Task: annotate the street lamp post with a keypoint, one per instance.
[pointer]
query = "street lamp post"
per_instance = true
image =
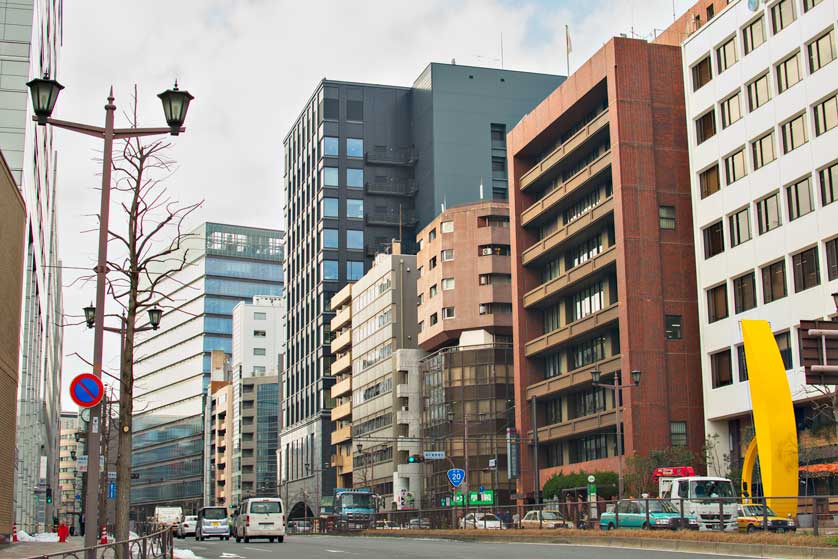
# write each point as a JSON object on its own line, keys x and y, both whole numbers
{"x": 617, "y": 387}
{"x": 44, "y": 93}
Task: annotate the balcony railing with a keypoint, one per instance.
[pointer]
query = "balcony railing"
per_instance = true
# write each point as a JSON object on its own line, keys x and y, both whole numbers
{"x": 572, "y": 379}
{"x": 575, "y": 329}
{"x": 575, "y": 427}
{"x": 391, "y": 156}
{"x": 554, "y": 241}
{"x": 548, "y": 291}
{"x": 403, "y": 187}
{"x": 392, "y": 217}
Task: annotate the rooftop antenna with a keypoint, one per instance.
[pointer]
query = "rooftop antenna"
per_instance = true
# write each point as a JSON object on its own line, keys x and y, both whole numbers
{"x": 673, "y": 10}
{"x": 400, "y": 223}
{"x": 481, "y": 188}
{"x": 453, "y": 61}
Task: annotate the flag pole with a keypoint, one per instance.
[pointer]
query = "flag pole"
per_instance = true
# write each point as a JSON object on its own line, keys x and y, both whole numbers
{"x": 567, "y": 47}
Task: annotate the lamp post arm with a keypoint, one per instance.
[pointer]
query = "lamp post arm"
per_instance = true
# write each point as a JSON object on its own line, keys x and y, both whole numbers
{"x": 122, "y": 133}
{"x": 96, "y": 131}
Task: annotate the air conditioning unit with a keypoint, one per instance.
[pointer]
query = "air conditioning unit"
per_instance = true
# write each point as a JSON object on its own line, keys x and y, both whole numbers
{"x": 404, "y": 408}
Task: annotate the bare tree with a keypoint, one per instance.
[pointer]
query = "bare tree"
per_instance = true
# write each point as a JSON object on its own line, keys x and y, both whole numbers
{"x": 149, "y": 249}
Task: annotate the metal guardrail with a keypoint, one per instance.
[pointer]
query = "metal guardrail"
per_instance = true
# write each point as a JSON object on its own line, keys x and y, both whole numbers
{"x": 158, "y": 545}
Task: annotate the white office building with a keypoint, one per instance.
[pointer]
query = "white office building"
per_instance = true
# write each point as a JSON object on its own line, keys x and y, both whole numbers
{"x": 761, "y": 82}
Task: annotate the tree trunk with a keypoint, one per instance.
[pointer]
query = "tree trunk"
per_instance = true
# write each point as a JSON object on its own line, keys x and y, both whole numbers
{"x": 123, "y": 465}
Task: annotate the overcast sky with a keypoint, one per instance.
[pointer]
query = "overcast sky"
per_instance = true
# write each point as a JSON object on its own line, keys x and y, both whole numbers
{"x": 252, "y": 65}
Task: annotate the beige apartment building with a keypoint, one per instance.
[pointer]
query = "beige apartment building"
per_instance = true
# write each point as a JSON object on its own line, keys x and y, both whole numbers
{"x": 341, "y": 392}
{"x": 69, "y": 479}
{"x": 221, "y": 441}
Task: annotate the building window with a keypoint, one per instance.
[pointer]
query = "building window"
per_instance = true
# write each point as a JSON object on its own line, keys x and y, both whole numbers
{"x": 742, "y": 362}
{"x": 809, "y": 4}
{"x": 762, "y": 150}
{"x": 821, "y": 51}
{"x": 355, "y": 110}
{"x": 794, "y": 133}
{"x": 587, "y": 301}
{"x": 799, "y": 197}
{"x": 744, "y": 293}
{"x": 806, "y": 269}
{"x": 495, "y": 308}
{"x": 331, "y": 207}
{"x": 731, "y": 110}
{"x": 432, "y": 291}
{"x": 493, "y": 250}
{"x": 721, "y": 370}
{"x": 260, "y": 316}
{"x": 753, "y": 35}
{"x": 355, "y": 239}
{"x": 735, "y": 166}
{"x": 768, "y": 213}
{"x": 774, "y": 281}
{"x": 705, "y": 126}
{"x": 826, "y": 115}
{"x": 258, "y": 351}
{"x": 447, "y": 284}
{"x": 330, "y": 270}
{"x": 832, "y": 259}
{"x": 259, "y": 333}
{"x": 552, "y": 318}
{"x": 711, "y": 11}
{"x": 330, "y": 176}
{"x": 740, "y": 227}
{"x": 420, "y": 326}
{"x": 666, "y": 216}
{"x": 726, "y": 55}
{"x": 702, "y": 73}
{"x": 498, "y": 133}
{"x": 714, "y": 240}
{"x": 493, "y": 221}
{"x": 433, "y": 319}
{"x": 330, "y": 238}
{"x": 678, "y": 433}
{"x": 709, "y": 181}
{"x": 446, "y": 227}
{"x": 420, "y": 299}
{"x": 829, "y": 183}
{"x": 330, "y": 146}
{"x": 782, "y": 14}
{"x": 354, "y": 270}
{"x": 783, "y": 340}
{"x": 553, "y": 411}
{"x": 431, "y": 235}
{"x": 354, "y": 147}
{"x": 717, "y": 303}
{"x": 788, "y": 72}
{"x": 495, "y": 279}
{"x": 355, "y": 178}
{"x": 759, "y": 92}
{"x": 447, "y": 255}
{"x": 673, "y": 326}
{"x": 355, "y": 208}
{"x": 448, "y": 312}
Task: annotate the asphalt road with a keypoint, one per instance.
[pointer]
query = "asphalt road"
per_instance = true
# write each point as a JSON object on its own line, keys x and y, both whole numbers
{"x": 353, "y": 547}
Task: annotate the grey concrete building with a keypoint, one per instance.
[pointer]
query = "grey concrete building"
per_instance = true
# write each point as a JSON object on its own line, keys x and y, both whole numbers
{"x": 366, "y": 164}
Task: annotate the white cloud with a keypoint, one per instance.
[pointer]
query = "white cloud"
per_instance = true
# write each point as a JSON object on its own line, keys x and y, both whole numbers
{"x": 252, "y": 65}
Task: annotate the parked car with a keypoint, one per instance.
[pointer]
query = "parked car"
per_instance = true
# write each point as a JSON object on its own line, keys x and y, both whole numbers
{"x": 212, "y": 523}
{"x": 663, "y": 515}
{"x": 536, "y": 519}
{"x": 260, "y": 517}
{"x": 480, "y": 521}
{"x": 299, "y": 526}
{"x": 419, "y": 524}
{"x": 386, "y": 525}
{"x": 750, "y": 519}
{"x": 187, "y": 526}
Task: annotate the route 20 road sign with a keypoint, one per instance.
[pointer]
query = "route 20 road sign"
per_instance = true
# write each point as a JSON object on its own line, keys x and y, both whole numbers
{"x": 456, "y": 476}
{"x": 86, "y": 390}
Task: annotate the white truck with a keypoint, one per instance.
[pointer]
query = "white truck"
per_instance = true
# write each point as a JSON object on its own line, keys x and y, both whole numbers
{"x": 168, "y": 516}
{"x": 705, "y": 498}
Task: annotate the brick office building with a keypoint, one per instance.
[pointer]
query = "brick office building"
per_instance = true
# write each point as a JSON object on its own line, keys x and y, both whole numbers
{"x": 603, "y": 271}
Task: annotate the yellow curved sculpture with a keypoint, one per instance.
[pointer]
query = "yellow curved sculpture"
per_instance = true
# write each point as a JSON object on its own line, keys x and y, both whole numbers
{"x": 774, "y": 426}
{"x": 748, "y": 464}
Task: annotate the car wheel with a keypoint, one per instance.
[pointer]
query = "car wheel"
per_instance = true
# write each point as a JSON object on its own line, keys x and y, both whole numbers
{"x": 238, "y": 539}
{"x": 610, "y": 526}
{"x": 280, "y": 539}
{"x": 751, "y": 529}
{"x": 246, "y": 539}
{"x": 645, "y": 526}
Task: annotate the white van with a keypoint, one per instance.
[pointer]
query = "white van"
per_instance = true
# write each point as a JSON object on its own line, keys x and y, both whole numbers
{"x": 260, "y": 517}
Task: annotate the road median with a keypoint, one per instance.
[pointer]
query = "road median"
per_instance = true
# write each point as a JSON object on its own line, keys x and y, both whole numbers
{"x": 760, "y": 545}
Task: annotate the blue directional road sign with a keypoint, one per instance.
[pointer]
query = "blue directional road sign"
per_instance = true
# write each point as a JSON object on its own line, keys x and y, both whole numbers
{"x": 112, "y": 490}
{"x": 456, "y": 476}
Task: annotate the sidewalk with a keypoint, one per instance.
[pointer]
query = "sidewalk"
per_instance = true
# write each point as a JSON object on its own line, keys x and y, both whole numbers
{"x": 21, "y": 550}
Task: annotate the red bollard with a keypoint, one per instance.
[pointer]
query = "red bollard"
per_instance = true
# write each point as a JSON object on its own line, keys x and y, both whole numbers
{"x": 14, "y": 533}
{"x": 104, "y": 538}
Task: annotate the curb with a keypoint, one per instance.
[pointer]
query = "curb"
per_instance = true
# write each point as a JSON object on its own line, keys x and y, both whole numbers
{"x": 683, "y": 546}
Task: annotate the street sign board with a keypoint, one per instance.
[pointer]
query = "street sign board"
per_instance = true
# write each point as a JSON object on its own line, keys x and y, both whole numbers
{"x": 86, "y": 390}
{"x": 78, "y": 497}
{"x": 482, "y": 497}
{"x": 456, "y": 476}
{"x": 112, "y": 490}
{"x": 434, "y": 455}
{"x": 81, "y": 463}
{"x": 111, "y": 475}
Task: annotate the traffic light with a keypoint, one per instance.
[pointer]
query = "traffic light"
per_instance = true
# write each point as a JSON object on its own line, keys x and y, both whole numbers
{"x": 49, "y": 495}
{"x": 415, "y": 458}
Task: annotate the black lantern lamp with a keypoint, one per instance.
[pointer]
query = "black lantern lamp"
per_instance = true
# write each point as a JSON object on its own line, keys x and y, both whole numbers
{"x": 154, "y": 316}
{"x": 90, "y": 315}
{"x": 175, "y": 105}
{"x": 835, "y": 300}
{"x": 596, "y": 376}
{"x": 635, "y": 377}
{"x": 44, "y": 93}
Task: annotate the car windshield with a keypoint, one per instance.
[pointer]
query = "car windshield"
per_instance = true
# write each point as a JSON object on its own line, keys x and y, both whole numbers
{"x": 215, "y": 514}
{"x": 661, "y": 506}
{"x": 709, "y": 488}
{"x": 550, "y": 515}
{"x": 486, "y": 517}
{"x": 265, "y": 507}
{"x": 757, "y": 510}
{"x": 359, "y": 500}
{"x": 190, "y": 519}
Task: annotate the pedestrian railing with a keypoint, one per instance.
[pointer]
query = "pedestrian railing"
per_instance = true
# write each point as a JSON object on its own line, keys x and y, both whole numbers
{"x": 158, "y": 545}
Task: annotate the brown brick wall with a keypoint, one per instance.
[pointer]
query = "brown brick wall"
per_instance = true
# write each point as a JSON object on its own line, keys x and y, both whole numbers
{"x": 12, "y": 244}
{"x": 689, "y": 22}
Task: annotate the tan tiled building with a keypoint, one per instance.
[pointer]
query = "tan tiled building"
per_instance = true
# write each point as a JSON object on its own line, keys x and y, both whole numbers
{"x": 221, "y": 441}
{"x": 12, "y": 227}
{"x": 341, "y": 327}
{"x": 604, "y": 274}
{"x": 69, "y": 480}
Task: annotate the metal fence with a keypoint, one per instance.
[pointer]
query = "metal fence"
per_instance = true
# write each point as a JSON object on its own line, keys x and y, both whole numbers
{"x": 712, "y": 513}
{"x": 157, "y": 545}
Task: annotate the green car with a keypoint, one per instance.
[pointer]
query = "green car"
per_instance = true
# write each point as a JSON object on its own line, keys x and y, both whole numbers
{"x": 663, "y": 515}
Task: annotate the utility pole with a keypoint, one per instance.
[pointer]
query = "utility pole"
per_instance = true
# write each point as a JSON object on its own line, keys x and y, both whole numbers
{"x": 468, "y": 473}
{"x": 537, "y": 474}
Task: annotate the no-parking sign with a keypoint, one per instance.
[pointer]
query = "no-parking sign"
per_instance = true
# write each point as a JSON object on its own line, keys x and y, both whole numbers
{"x": 86, "y": 390}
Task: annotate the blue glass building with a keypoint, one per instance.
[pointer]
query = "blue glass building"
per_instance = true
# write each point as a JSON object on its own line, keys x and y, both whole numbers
{"x": 225, "y": 264}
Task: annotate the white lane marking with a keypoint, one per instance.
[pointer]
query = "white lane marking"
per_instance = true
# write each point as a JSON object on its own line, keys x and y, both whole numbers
{"x": 335, "y": 551}
{"x": 255, "y": 548}
{"x": 231, "y": 556}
